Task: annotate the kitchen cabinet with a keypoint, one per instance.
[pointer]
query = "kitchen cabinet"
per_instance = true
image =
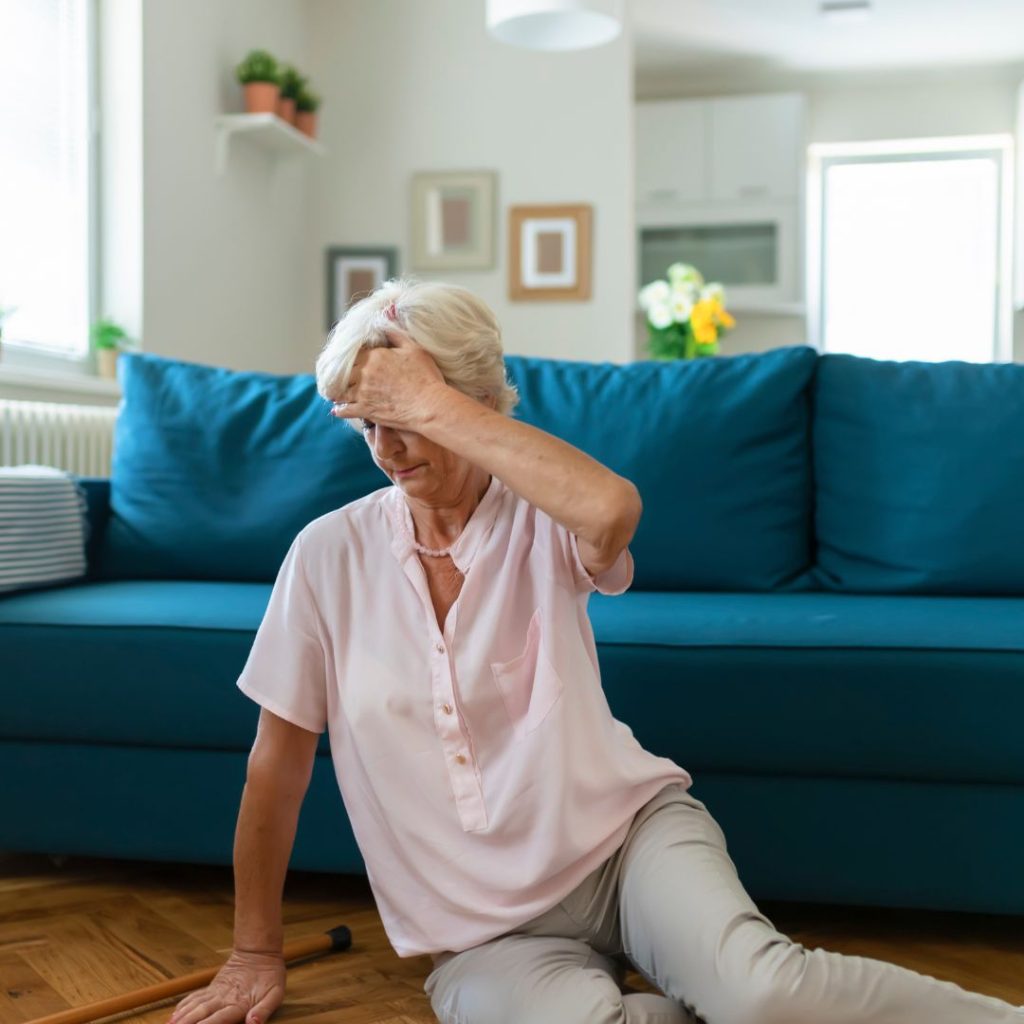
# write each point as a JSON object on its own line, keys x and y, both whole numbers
{"x": 672, "y": 136}
{"x": 756, "y": 147}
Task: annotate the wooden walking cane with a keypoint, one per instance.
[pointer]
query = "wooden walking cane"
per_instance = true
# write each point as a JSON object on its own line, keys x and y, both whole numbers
{"x": 339, "y": 938}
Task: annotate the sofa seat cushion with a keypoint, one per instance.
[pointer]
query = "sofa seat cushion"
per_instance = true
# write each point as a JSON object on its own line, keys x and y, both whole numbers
{"x": 154, "y": 663}
{"x": 915, "y": 688}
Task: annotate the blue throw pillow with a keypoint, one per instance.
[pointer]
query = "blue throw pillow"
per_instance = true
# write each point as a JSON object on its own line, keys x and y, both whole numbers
{"x": 920, "y": 476}
{"x": 215, "y": 471}
{"x": 719, "y": 448}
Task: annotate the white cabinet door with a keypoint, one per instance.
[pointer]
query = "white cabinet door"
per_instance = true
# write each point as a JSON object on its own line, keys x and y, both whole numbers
{"x": 671, "y": 151}
{"x": 757, "y": 145}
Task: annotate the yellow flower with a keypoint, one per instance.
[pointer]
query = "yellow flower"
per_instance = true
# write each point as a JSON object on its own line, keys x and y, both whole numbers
{"x": 702, "y": 321}
{"x": 716, "y": 312}
{"x": 703, "y": 312}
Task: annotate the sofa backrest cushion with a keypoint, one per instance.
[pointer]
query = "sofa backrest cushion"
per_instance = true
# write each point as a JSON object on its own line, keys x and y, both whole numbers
{"x": 718, "y": 447}
{"x": 919, "y": 471}
{"x": 215, "y": 471}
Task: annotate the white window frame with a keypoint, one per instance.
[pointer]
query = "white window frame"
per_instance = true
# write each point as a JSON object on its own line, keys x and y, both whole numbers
{"x": 822, "y": 156}
{"x": 21, "y": 355}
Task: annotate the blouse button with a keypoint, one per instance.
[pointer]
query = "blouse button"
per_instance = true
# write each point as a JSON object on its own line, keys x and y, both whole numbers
{"x": 439, "y": 648}
{"x": 447, "y": 708}
{"x": 460, "y": 759}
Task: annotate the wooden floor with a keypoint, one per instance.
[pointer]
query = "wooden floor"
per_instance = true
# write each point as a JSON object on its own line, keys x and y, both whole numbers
{"x": 83, "y": 929}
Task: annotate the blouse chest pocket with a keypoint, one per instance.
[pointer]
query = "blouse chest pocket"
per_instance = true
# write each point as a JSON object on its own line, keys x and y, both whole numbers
{"x": 528, "y": 684}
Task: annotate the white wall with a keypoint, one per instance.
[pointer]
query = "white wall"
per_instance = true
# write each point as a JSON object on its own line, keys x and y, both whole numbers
{"x": 223, "y": 256}
{"x": 415, "y": 86}
{"x": 198, "y": 267}
{"x": 229, "y": 271}
{"x": 853, "y": 108}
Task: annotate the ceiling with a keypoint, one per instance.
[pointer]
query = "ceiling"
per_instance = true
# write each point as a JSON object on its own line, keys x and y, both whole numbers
{"x": 712, "y": 36}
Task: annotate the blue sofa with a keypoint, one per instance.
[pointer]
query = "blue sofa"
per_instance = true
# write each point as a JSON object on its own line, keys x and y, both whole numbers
{"x": 826, "y": 626}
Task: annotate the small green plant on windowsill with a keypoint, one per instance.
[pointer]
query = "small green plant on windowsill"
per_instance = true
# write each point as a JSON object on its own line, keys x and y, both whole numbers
{"x": 106, "y": 333}
{"x": 108, "y": 339}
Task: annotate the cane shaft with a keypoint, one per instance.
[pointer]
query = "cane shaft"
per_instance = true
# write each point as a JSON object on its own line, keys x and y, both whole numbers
{"x": 336, "y": 938}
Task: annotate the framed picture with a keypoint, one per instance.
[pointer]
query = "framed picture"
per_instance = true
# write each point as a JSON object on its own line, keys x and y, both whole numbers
{"x": 453, "y": 220}
{"x": 353, "y": 273}
{"x": 549, "y": 252}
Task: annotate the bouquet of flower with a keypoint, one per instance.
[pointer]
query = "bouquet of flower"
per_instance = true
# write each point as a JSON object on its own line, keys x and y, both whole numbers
{"x": 685, "y": 316}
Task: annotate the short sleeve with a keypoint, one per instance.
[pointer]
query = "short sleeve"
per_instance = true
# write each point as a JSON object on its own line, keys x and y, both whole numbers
{"x": 563, "y": 554}
{"x": 615, "y": 580}
{"x": 286, "y": 668}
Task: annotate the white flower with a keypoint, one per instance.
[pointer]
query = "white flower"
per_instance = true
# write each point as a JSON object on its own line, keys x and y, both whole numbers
{"x": 682, "y": 307}
{"x": 660, "y": 315}
{"x": 686, "y": 290}
{"x": 685, "y": 273}
{"x": 713, "y": 290}
{"x": 655, "y": 292}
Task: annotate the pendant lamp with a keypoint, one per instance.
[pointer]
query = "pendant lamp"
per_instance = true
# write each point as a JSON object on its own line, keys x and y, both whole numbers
{"x": 554, "y": 24}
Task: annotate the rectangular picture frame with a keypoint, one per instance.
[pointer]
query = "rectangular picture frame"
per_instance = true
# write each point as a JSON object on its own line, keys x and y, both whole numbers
{"x": 354, "y": 271}
{"x": 550, "y": 252}
{"x": 453, "y": 220}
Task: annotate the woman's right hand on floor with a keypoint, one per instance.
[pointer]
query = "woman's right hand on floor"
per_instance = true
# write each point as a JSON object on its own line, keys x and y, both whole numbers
{"x": 248, "y": 988}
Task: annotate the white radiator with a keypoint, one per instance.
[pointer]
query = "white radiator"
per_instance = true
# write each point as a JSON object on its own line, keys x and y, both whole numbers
{"x": 76, "y": 438}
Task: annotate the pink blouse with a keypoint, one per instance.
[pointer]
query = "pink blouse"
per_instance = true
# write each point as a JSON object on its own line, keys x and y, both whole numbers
{"x": 480, "y": 766}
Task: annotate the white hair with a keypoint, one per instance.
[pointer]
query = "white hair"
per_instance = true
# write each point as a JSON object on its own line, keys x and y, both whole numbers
{"x": 458, "y": 330}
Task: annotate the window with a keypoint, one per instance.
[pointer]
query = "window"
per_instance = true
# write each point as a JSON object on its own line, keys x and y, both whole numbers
{"x": 909, "y": 253}
{"x": 47, "y": 206}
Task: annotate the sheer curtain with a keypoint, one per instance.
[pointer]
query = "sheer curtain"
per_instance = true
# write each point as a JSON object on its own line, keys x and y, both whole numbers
{"x": 45, "y": 173}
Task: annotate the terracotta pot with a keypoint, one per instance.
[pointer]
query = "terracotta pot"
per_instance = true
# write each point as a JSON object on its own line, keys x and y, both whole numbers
{"x": 106, "y": 360}
{"x": 261, "y": 97}
{"x": 286, "y": 109}
{"x": 305, "y": 121}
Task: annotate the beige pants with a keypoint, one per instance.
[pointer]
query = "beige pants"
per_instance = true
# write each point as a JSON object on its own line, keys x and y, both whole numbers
{"x": 670, "y": 903}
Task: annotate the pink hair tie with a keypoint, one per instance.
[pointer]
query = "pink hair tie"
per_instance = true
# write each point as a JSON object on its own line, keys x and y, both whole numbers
{"x": 391, "y": 313}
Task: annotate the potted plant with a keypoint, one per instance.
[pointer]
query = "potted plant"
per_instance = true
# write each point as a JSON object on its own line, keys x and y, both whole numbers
{"x": 306, "y": 104}
{"x": 108, "y": 339}
{"x": 685, "y": 316}
{"x": 292, "y": 83}
{"x": 258, "y": 74}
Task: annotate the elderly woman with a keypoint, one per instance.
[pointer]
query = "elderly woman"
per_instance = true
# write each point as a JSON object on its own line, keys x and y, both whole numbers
{"x": 511, "y": 828}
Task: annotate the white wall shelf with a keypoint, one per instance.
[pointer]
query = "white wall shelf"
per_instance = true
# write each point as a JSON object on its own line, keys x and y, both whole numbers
{"x": 267, "y": 130}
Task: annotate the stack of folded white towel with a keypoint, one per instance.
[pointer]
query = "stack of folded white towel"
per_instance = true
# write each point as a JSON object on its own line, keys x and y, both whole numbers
{"x": 43, "y": 527}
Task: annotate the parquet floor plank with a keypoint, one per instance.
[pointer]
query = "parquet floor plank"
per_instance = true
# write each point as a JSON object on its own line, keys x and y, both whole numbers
{"x": 76, "y": 930}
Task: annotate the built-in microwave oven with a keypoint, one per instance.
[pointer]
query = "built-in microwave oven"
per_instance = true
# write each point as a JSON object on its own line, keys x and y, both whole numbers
{"x": 752, "y": 248}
